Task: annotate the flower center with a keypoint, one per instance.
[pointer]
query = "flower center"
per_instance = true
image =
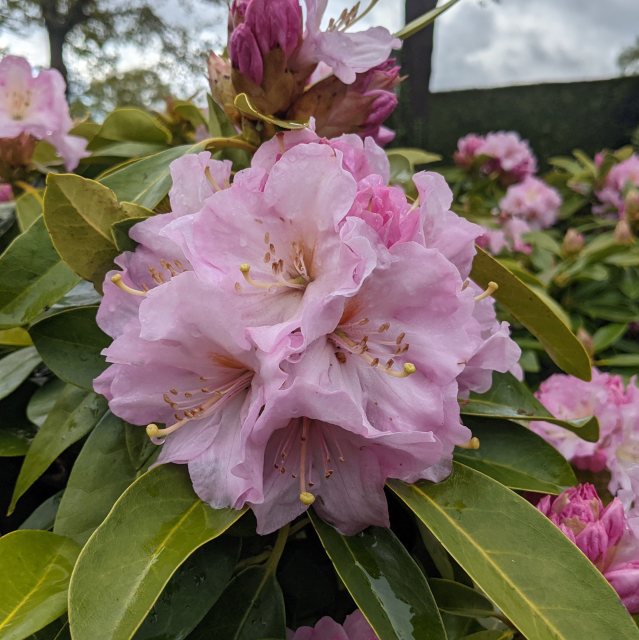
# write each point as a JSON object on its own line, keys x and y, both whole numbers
{"x": 292, "y": 271}
{"x": 303, "y": 471}
{"x": 198, "y": 403}
{"x": 378, "y": 347}
{"x": 19, "y": 103}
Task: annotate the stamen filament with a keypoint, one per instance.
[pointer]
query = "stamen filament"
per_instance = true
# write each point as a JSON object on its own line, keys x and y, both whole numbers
{"x": 306, "y": 497}
{"x": 117, "y": 281}
{"x": 490, "y": 289}
{"x": 211, "y": 179}
{"x": 297, "y": 283}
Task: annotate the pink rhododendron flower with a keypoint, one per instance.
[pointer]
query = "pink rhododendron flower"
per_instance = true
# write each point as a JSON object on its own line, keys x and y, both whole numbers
{"x": 602, "y": 534}
{"x": 36, "y": 107}
{"x": 503, "y": 152}
{"x": 346, "y": 53}
{"x": 533, "y": 201}
{"x": 355, "y": 627}
{"x": 351, "y": 329}
{"x": 569, "y": 398}
{"x": 508, "y": 237}
{"x": 619, "y": 181}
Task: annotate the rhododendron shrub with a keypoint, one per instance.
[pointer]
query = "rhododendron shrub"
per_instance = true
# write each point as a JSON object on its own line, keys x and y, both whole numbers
{"x": 261, "y": 379}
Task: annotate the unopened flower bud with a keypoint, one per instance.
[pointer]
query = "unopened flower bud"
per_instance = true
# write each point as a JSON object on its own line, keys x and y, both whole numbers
{"x": 6, "y": 193}
{"x": 580, "y": 514}
{"x": 245, "y": 54}
{"x": 221, "y": 84}
{"x": 275, "y": 23}
{"x": 623, "y": 233}
{"x": 573, "y": 242}
{"x": 624, "y": 579}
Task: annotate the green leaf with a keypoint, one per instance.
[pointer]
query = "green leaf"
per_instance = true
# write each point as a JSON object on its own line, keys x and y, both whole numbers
{"x": 517, "y": 457}
{"x": 622, "y": 360}
{"x": 42, "y": 401}
{"x": 16, "y": 368}
{"x": 423, "y": 21}
{"x": 460, "y": 600}
{"x": 16, "y": 432}
{"x": 43, "y": 516}
{"x": 70, "y": 343}
{"x": 28, "y": 210}
{"x": 100, "y": 474}
{"x": 79, "y": 213}
{"x": 540, "y": 580}
{"x": 512, "y": 400}
{"x": 414, "y": 156}
{"x": 607, "y": 335}
{"x": 128, "y": 124}
{"x": 74, "y": 414}
{"x": 36, "y": 566}
{"x": 16, "y": 337}
{"x": 384, "y": 581}
{"x": 244, "y": 106}
{"x": 32, "y": 276}
{"x": 535, "y": 314}
{"x": 251, "y": 607}
{"x": 120, "y": 233}
{"x": 491, "y": 634}
{"x": 192, "y": 591}
{"x": 153, "y": 527}
{"x": 146, "y": 181}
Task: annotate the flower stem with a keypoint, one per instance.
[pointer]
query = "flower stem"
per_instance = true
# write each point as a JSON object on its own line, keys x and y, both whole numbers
{"x": 278, "y": 549}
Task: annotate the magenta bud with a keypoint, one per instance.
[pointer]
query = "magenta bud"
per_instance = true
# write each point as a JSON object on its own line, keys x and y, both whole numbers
{"x": 6, "y": 193}
{"x": 383, "y": 105}
{"x": 245, "y": 54}
{"x": 275, "y": 23}
{"x": 624, "y": 579}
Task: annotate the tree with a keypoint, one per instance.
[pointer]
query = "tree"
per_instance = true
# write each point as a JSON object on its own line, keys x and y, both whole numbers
{"x": 628, "y": 59}
{"x": 94, "y": 31}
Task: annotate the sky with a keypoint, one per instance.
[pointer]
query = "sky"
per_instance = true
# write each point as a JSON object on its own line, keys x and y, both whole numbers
{"x": 485, "y": 43}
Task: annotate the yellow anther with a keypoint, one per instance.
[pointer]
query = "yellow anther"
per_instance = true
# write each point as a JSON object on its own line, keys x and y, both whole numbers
{"x": 490, "y": 289}
{"x": 152, "y": 430}
{"x": 307, "y": 498}
{"x": 245, "y": 267}
{"x": 117, "y": 281}
{"x": 473, "y": 443}
{"x": 409, "y": 368}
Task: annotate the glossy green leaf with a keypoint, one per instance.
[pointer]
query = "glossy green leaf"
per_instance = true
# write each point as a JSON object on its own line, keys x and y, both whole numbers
{"x": 57, "y": 630}
{"x": 423, "y": 21}
{"x": 36, "y": 566}
{"x": 43, "y": 400}
{"x": 621, "y": 360}
{"x": 539, "y": 579}
{"x": 28, "y": 210}
{"x": 251, "y": 607}
{"x": 15, "y": 440}
{"x": 70, "y": 343}
{"x": 79, "y": 214}
{"x": 43, "y": 516}
{"x": 244, "y": 105}
{"x": 128, "y": 124}
{"x": 517, "y": 457}
{"x": 460, "y": 600}
{"x": 384, "y": 581}
{"x": 491, "y": 634}
{"x": 74, "y": 414}
{"x": 116, "y": 150}
{"x": 146, "y": 181}
{"x": 192, "y": 591}
{"x": 16, "y": 432}
{"x": 16, "y": 368}
{"x": 32, "y": 276}
{"x": 535, "y": 314}
{"x": 415, "y": 156}
{"x": 120, "y": 233}
{"x": 153, "y": 527}
{"x": 607, "y": 335}
{"x": 512, "y": 400}
{"x": 100, "y": 475}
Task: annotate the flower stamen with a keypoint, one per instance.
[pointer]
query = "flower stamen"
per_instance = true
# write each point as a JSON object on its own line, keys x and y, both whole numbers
{"x": 306, "y": 497}
{"x": 472, "y": 444}
{"x": 117, "y": 281}
{"x": 490, "y": 289}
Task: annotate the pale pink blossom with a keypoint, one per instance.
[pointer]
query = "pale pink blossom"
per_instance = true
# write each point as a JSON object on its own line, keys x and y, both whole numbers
{"x": 355, "y": 627}
{"x": 346, "y": 53}
{"x": 569, "y": 398}
{"x": 467, "y": 150}
{"x": 533, "y": 201}
{"x": 619, "y": 181}
{"x": 36, "y": 106}
{"x": 508, "y": 236}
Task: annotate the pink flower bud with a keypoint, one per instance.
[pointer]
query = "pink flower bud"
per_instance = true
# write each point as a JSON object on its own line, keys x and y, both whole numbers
{"x": 573, "y": 242}
{"x": 580, "y": 514}
{"x": 623, "y": 233}
{"x": 467, "y": 149}
{"x": 245, "y": 53}
{"x": 6, "y": 193}
{"x": 275, "y": 23}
